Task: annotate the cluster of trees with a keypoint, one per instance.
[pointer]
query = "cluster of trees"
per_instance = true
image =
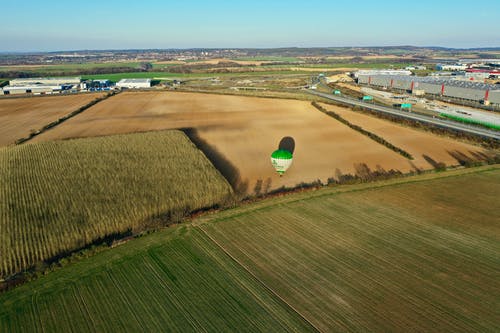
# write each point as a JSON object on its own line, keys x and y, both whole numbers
{"x": 143, "y": 67}
{"x": 363, "y": 174}
{"x": 91, "y": 71}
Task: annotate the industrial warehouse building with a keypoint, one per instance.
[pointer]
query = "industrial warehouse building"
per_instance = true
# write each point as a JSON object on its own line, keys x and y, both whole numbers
{"x": 49, "y": 81}
{"x": 451, "y": 67}
{"x": 134, "y": 83}
{"x": 447, "y": 87}
{"x": 40, "y": 85}
{"x": 34, "y": 89}
{"x": 382, "y": 72}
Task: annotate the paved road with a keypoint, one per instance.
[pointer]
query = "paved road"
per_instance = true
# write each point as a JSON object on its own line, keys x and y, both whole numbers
{"x": 404, "y": 114}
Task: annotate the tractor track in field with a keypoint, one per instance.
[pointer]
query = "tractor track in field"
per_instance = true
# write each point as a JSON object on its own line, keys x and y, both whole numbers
{"x": 265, "y": 286}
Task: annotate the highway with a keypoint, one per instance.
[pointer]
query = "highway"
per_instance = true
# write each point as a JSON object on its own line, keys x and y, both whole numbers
{"x": 418, "y": 117}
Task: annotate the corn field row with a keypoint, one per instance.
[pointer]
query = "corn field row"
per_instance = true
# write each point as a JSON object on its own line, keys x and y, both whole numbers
{"x": 60, "y": 196}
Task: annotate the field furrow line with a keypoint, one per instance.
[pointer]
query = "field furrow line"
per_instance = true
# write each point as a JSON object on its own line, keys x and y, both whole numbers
{"x": 259, "y": 280}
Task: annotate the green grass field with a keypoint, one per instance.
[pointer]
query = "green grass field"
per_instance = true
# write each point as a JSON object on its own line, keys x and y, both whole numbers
{"x": 410, "y": 254}
{"x": 60, "y": 196}
{"x": 115, "y": 77}
{"x": 166, "y": 75}
{"x": 68, "y": 67}
{"x": 421, "y": 256}
{"x": 159, "y": 66}
{"x": 174, "y": 281}
{"x": 270, "y": 69}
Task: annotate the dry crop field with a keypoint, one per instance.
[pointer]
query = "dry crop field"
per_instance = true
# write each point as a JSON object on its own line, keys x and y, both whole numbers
{"x": 19, "y": 116}
{"x": 57, "y": 197}
{"x": 367, "y": 257}
{"x": 421, "y": 145}
{"x": 245, "y": 130}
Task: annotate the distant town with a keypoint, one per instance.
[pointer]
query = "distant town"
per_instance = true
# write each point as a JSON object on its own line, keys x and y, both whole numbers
{"x": 420, "y": 71}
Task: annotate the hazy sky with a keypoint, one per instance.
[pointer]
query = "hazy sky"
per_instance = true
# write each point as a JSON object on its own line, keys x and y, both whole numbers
{"x": 31, "y": 25}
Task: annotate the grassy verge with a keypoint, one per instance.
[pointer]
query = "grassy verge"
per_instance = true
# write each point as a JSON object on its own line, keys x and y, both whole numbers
{"x": 328, "y": 191}
{"x": 471, "y": 121}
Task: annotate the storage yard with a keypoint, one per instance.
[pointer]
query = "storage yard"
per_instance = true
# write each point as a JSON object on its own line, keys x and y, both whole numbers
{"x": 246, "y": 130}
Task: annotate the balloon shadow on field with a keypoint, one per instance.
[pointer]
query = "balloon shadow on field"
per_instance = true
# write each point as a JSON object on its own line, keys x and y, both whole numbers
{"x": 287, "y": 143}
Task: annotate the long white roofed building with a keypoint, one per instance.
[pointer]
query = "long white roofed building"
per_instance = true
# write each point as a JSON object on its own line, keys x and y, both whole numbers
{"x": 134, "y": 83}
{"x": 40, "y": 85}
{"x": 49, "y": 81}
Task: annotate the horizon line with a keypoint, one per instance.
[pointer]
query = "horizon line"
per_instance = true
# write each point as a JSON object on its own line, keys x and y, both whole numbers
{"x": 254, "y": 48}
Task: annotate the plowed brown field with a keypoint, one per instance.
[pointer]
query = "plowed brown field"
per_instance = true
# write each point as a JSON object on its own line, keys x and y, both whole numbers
{"x": 245, "y": 130}
{"x": 424, "y": 147}
{"x": 19, "y": 116}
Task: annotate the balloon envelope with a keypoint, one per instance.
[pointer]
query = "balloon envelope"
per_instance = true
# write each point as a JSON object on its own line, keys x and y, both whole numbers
{"x": 281, "y": 160}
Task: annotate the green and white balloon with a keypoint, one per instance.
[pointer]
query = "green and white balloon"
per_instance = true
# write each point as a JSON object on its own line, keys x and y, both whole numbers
{"x": 281, "y": 160}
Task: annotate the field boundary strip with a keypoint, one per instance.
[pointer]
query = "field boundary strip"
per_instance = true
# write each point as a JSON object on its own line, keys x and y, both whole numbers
{"x": 264, "y": 285}
{"x": 267, "y": 203}
{"x": 64, "y": 118}
{"x": 361, "y": 130}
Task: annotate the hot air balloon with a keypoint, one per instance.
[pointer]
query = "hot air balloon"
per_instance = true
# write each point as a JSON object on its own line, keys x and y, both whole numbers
{"x": 281, "y": 160}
